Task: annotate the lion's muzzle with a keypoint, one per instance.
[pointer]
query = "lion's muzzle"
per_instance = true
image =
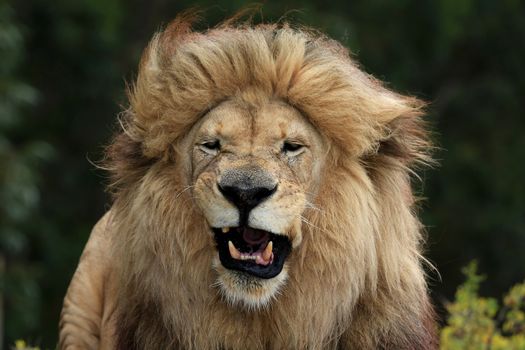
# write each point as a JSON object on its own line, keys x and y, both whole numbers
{"x": 243, "y": 248}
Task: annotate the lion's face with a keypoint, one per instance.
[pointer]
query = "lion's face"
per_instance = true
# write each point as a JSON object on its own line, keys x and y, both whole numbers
{"x": 254, "y": 170}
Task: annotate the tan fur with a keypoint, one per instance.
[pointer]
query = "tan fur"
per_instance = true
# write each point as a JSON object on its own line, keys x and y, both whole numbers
{"x": 354, "y": 279}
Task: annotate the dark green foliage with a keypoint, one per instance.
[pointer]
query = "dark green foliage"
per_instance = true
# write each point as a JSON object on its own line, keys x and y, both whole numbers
{"x": 63, "y": 66}
{"x": 20, "y": 160}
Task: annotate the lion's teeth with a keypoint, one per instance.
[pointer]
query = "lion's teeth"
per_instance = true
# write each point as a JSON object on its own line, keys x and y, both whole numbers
{"x": 233, "y": 251}
{"x": 267, "y": 253}
{"x": 225, "y": 229}
{"x": 261, "y": 258}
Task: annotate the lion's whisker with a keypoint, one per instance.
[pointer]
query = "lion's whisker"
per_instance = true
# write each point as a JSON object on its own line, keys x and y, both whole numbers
{"x": 183, "y": 190}
{"x": 306, "y": 221}
{"x": 310, "y": 205}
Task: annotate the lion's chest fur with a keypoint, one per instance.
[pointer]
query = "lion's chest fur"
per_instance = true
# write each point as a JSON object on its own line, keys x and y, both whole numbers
{"x": 217, "y": 332}
{"x": 203, "y": 320}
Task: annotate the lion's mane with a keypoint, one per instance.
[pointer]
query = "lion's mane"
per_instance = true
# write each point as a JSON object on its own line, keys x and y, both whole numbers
{"x": 356, "y": 280}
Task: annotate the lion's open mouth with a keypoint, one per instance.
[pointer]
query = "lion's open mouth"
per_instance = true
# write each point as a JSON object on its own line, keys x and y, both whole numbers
{"x": 257, "y": 252}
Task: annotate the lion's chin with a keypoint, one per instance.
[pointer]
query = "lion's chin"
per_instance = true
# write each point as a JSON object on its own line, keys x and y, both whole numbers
{"x": 245, "y": 290}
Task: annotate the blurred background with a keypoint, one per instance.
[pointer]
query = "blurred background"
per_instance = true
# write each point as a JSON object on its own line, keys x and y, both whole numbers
{"x": 63, "y": 67}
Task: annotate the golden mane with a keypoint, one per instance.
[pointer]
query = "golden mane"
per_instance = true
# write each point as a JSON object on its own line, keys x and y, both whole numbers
{"x": 356, "y": 282}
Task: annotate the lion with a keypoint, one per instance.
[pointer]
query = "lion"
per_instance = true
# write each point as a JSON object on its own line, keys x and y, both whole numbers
{"x": 262, "y": 200}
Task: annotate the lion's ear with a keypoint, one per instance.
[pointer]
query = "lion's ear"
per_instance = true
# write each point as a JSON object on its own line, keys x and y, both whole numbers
{"x": 125, "y": 161}
{"x": 405, "y": 142}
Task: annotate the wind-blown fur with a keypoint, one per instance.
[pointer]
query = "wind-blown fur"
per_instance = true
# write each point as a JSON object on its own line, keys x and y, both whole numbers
{"x": 355, "y": 282}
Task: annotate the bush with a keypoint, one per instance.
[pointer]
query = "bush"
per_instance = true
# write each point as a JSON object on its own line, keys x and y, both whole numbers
{"x": 22, "y": 345}
{"x": 479, "y": 323}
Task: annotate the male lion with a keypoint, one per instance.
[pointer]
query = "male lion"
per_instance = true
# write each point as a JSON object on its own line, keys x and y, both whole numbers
{"x": 262, "y": 201}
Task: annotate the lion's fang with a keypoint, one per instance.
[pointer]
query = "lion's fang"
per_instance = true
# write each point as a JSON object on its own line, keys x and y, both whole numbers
{"x": 267, "y": 253}
{"x": 234, "y": 253}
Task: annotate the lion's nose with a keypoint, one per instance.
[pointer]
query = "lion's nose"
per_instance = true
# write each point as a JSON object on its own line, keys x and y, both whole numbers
{"x": 246, "y": 198}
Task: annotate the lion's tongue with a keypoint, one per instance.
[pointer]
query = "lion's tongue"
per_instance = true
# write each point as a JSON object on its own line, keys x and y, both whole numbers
{"x": 254, "y": 237}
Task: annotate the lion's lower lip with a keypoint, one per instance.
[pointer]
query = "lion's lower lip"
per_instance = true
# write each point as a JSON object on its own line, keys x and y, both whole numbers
{"x": 252, "y": 245}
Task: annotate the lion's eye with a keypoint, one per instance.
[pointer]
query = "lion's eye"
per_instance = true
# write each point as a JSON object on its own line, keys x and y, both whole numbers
{"x": 211, "y": 147}
{"x": 292, "y": 148}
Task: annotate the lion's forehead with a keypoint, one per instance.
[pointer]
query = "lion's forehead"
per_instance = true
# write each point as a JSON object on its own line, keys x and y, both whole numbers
{"x": 239, "y": 122}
